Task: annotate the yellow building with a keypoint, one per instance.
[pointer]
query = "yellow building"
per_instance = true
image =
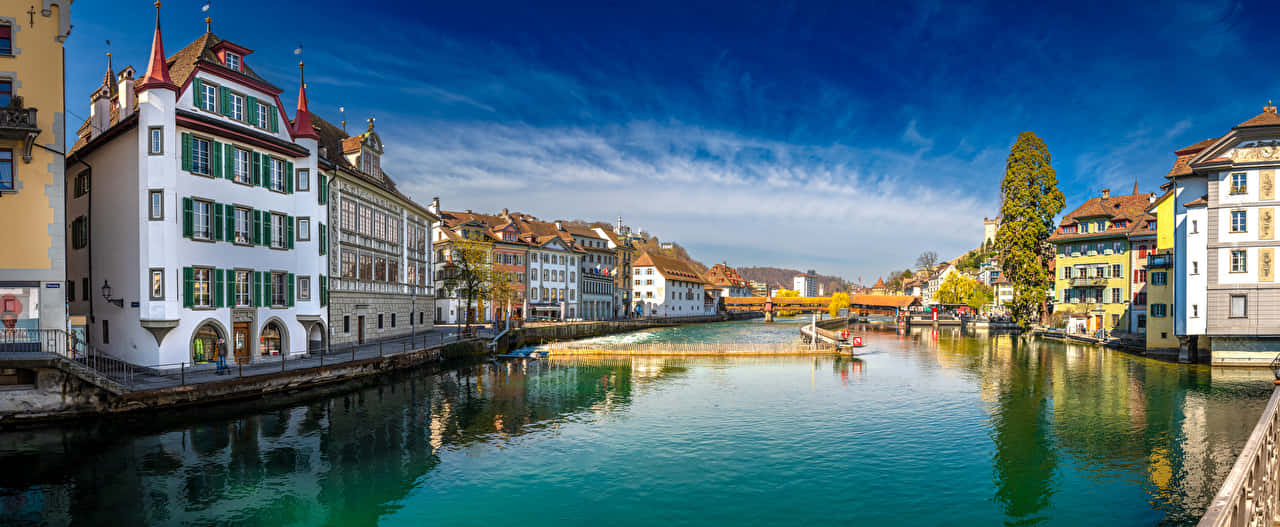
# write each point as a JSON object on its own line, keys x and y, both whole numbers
{"x": 1093, "y": 275}
{"x": 1160, "y": 286}
{"x": 32, "y": 145}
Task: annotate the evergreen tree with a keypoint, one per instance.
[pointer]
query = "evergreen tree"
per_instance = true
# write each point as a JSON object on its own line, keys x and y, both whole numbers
{"x": 1030, "y": 199}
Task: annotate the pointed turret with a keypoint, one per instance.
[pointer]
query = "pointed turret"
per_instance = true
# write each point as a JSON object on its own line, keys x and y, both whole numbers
{"x": 158, "y": 69}
{"x": 302, "y": 122}
{"x": 109, "y": 78}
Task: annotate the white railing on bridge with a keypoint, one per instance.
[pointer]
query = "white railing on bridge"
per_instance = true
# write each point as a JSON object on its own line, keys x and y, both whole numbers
{"x": 1250, "y": 496}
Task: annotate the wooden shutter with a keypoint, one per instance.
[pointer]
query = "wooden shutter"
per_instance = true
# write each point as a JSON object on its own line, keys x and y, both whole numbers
{"x": 288, "y": 281}
{"x": 288, "y": 231}
{"x": 186, "y": 217}
{"x": 257, "y": 227}
{"x": 198, "y": 94}
{"x": 268, "y": 296}
{"x": 186, "y": 151}
{"x": 274, "y": 126}
{"x": 324, "y": 291}
{"x": 215, "y": 159}
{"x": 257, "y": 288}
{"x": 215, "y": 216}
{"x": 230, "y": 233}
{"x": 324, "y": 189}
{"x": 257, "y": 169}
{"x": 252, "y": 110}
{"x": 225, "y": 107}
{"x": 324, "y": 242}
{"x": 219, "y": 288}
{"x": 229, "y": 161}
{"x": 231, "y": 287}
{"x": 188, "y": 288}
{"x": 288, "y": 177}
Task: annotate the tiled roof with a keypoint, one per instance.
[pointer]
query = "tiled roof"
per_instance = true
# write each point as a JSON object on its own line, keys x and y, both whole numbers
{"x": 1268, "y": 117}
{"x": 898, "y": 301}
{"x": 183, "y": 63}
{"x": 1198, "y": 202}
{"x": 722, "y": 274}
{"x": 669, "y": 268}
{"x": 1132, "y": 208}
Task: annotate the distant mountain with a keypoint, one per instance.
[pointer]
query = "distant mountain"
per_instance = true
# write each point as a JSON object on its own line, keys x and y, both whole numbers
{"x": 776, "y": 276}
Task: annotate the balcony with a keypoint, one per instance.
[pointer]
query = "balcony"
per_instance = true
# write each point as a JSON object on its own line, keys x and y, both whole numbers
{"x": 1160, "y": 260}
{"x": 1088, "y": 282}
{"x": 18, "y": 123}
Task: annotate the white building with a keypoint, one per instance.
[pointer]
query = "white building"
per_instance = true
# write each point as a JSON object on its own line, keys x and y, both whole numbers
{"x": 935, "y": 281}
{"x": 202, "y": 231}
{"x": 597, "y": 263}
{"x": 666, "y": 287}
{"x": 806, "y": 284}
{"x": 553, "y": 278}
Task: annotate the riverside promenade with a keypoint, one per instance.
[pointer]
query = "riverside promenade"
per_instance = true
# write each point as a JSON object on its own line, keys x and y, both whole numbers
{"x": 66, "y": 387}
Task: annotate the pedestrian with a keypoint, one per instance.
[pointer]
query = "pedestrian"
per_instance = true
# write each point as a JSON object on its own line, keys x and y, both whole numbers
{"x": 222, "y": 358}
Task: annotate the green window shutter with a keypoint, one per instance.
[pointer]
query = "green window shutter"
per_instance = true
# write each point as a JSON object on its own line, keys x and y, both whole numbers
{"x": 268, "y": 296}
{"x": 252, "y": 111}
{"x": 257, "y": 288}
{"x": 324, "y": 190}
{"x": 215, "y": 159}
{"x": 257, "y": 227}
{"x": 186, "y": 151}
{"x": 324, "y": 291}
{"x": 188, "y": 286}
{"x": 267, "y": 218}
{"x": 288, "y": 230}
{"x": 219, "y": 288}
{"x": 230, "y": 232}
{"x": 324, "y": 243}
{"x": 229, "y": 161}
{"x": 274, "y": 114}
{"x": 257, "y": 169}
{"x": 186, "y": 217}
{"x": 216, "y": 213}
{"x": 231, "y": 288}
{"x": 289, "y": 286}
{"x": 288, "y": 177}
{"x": 198, "y": 94}
{"x": 225, "y": 94}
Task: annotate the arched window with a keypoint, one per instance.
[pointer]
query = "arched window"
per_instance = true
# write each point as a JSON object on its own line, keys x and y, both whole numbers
{"x": 207, "y": 344}
{"x": 272, "y": 341}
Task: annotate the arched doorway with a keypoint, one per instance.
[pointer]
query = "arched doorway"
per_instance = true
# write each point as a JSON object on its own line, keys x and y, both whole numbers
{"x": 315, "y": 338}
{"x": 272, "y": 339}
{"x": 208, "y": 343}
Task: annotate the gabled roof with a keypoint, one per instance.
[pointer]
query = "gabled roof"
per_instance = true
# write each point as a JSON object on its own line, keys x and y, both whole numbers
{"x": 1268, "y": 117}
{"x": 201, "y": 52}
{"x": 723, "y": 275}
{"x": 1131, "y": 208}
{"x": 669, "y": 268}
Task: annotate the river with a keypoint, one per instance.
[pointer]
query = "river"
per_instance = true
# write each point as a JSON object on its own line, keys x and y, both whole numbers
{"x": 929, "y": 428}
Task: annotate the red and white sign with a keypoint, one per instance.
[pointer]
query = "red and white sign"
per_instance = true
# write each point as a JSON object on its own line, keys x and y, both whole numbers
{"x": 935, "y": 313}
{"x": 844, "y": 333}
{"x": 857, "y": 341}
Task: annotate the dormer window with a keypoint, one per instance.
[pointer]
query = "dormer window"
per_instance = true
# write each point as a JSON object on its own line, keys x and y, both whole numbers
{"x": 369, "y": 163}
{"x": 233, "y": 61}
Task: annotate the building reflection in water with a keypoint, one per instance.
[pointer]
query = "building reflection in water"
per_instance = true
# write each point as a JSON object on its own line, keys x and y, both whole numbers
{"x": 336, "y": 461}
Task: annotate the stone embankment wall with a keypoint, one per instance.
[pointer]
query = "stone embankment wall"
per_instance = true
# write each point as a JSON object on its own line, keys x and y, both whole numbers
{"x": 56, "y": 390}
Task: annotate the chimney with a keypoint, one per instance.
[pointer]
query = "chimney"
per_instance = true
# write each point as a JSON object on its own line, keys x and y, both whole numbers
{"x": 468, "y": 211}
{"x": 1106, "y": 193}
{"x": 127, "y": 100}
{"x": 559, "y": 226}
{"x": 99, "y": 112}
{"x": 435, "y": 206}
{"x": 505, "y": 213}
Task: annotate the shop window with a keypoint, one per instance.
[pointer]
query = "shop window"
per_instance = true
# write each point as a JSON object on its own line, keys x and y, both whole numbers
{"x": 272, "y": 340}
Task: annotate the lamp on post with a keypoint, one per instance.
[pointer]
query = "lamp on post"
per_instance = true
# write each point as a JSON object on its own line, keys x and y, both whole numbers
{"x": 106, "y": 295}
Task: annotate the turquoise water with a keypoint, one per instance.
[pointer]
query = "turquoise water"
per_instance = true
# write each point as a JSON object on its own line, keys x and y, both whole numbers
{"x": 928, "y": 429}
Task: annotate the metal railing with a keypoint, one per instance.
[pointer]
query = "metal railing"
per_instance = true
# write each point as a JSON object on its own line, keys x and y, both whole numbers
{"x": 33, "y": 340}
{"x": 1250, "y": 496}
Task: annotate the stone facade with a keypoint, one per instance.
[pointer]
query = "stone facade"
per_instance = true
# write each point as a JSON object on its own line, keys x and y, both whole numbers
{"x": 350, "y": 308}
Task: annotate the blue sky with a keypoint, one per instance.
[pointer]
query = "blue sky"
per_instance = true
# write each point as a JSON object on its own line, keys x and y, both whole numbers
{"x": 836, "y": 136}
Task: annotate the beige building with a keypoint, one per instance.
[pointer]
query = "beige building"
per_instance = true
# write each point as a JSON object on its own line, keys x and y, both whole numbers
{"x": 33, "y": 278}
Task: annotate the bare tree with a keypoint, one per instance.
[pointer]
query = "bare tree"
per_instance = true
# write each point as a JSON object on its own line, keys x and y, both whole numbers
{"x": 927, "y": 260}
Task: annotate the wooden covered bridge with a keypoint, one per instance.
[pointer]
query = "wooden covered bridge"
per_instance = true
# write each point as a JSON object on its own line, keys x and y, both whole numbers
{"x": 889, "y": 305}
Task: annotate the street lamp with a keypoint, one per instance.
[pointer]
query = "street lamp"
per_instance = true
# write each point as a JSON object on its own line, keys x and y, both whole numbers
{"x": 106, "y": 295}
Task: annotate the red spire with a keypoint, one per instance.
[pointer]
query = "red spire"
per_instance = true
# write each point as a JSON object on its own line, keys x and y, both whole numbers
{"x": 302, "y": 123}
{"x": 158, "y": 71}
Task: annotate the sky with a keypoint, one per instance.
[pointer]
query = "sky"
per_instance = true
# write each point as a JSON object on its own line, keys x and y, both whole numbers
{"x": 843, "y": 137}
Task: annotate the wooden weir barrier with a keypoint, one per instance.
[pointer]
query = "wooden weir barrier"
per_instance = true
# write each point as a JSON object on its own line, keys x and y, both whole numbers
{"x": 1250, "y": 496}
{"x": 562, "y": 349}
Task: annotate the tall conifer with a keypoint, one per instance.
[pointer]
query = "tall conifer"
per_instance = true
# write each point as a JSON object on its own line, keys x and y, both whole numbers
{"x": 1030, "y": 200}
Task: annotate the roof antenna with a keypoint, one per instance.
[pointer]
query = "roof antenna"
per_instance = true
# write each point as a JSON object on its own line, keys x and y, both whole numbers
{"x": 208, "y": 22}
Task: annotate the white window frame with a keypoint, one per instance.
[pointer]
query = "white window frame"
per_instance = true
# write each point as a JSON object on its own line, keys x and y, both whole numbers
{"x": 303, "y": 228}
{"x": 263, "y": 110}
{"x": 241, "y": 166}
{"x": 155, "y": 205}
{"x": 197, "y": 217}
{"x": 304, "y": 288}
{"x": 304, "y": 180}
{"x": 243, "y": 224}
{"x": 155, "y": 140}
{"x": 278, "y": 240}
{"x": 1241, "y": 264}
{"x": 234, "y": 61}
{"x": 244, "y": 294}
{"x": 201, "y": 160}
{"x": 1231, "y": 306}
{"x": 1241, "y": 186}
{"x": 236, "y": 111}
{"x": 199, "y": 298}
{"x": 211, "y": 97}
{"x": 276, "y": 174}
{"x": 1239, "y": 221}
